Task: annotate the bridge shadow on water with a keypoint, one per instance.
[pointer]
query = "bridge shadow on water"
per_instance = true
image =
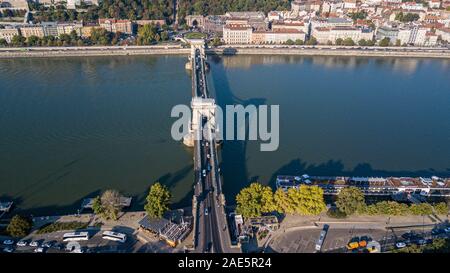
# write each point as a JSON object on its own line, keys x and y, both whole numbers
{"x": 233, "y": 152}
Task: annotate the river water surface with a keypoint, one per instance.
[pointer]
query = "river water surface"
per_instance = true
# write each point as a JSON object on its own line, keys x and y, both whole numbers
{"x": 72, "y": 127}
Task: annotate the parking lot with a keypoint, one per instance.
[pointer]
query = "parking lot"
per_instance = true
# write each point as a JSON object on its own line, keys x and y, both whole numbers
{"x": 336, "y": 240}
{"x": 53, "y": 243}
{"x": 304, "y": 241}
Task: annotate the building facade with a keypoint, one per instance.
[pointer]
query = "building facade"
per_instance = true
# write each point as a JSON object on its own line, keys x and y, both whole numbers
{"x": 8, "y": 34}
{"x": 237, "y": 34}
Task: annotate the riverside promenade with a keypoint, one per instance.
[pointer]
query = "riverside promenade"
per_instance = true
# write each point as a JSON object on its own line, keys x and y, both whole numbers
{"x": 176, "y": 49}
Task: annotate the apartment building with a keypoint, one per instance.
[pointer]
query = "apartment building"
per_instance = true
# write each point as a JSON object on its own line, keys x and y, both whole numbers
{"x": 332, "y": 6}
{"x": 114, "y": 25}
{"x": 28, "y": 31}
{"x": 86, "y": 30}
{"x": 278, "y": 36}
{"x": 324, "y": 35}
{"x": 417, "y": 35}
{"x": 13, "y": 4}
{"x": 290, "y": 24}
{"x": 387, "y": 32}
{"x": 8, "y": 33}
{"x": 67, "y": 28}
{"x": 237, "y": 34}
{"x": 331, "y": 22}
{"x": 444, "y": 33}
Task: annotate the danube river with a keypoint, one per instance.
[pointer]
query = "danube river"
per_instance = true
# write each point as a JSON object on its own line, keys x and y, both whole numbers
{"x": 72, "y": 127}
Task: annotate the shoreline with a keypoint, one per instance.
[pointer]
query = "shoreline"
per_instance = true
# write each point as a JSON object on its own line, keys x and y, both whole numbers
{"x": 51, "y": 52}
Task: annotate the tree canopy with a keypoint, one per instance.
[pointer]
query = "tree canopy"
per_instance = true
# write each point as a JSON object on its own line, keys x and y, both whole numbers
{"x": 108, "y": 205}
{"x": 350, "y": 200}
{"x": 19, "y": 226}
{"x": 158, "y": 200}
{"x": 255, "y": 200}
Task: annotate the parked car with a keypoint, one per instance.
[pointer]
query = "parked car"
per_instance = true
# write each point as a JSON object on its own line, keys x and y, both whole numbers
{"x": 437, "y": 231}
{"x": 8, "y": 249}
{"x": 34, "y": 244}
{"x": 47, "y": 244}
{"x": 22, "y": 243}
{"x": 399, "y": 245}
{"x": 447, "y": 230}
{"x": 39, "y": 250}
{"x": 8, "y": 242}
{"x": 353, "y": 244}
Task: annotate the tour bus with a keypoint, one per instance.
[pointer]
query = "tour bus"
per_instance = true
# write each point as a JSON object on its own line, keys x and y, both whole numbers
{"x": 114, "y": 236}
{"x": 76, "y": 236}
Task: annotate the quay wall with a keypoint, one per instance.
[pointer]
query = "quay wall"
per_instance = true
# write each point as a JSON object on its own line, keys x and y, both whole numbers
{"x": 223, "y": 50}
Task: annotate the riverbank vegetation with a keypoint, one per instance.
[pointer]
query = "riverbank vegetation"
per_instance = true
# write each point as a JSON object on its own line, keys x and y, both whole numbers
{"x": 108, "y": 205}
{"x": 351, "y": 200}
{"x": 59, "y": 226}
{"x": 19, "y": 226}
{"x": 158, "y": 200}
{"x": 257, "y": 199}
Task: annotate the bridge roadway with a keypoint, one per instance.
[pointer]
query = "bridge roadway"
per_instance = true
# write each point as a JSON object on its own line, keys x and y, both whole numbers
{"x": 212, "y": 233}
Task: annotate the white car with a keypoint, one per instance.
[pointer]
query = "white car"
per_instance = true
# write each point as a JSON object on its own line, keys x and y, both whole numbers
{"x": 400, "y": 245}
{"x": 21, "y": 243}
{"x": 39, "y": 250}
{"x": 8, "y": 242}
{"x": 447, "y": 230}
{"x": 8, "y": 249}
{"x": 34, "y": 244}
{"x": 47, "y": 244}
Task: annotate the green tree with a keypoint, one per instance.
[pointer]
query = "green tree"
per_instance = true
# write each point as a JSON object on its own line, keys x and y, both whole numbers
{"x": 312, "y": 41}
{"x": 384, "y": 42}
{"x": 348, "y": 42}
{"x": 289, "y": 42}
{"x": 299, "y": 42}
{"x": 441, "y": 208}
{"x": 255, "y": 200}
{"x": 307, "y": 200}
{"x": 283, "y": 202}
{"x": 362, "y": 42}
{"x": 19, "y": 226}
{"x": 164, "y": 36}
{"x": 147, "y": 34}
{"x": 158, "y": 200}
{"x": 339, "y": 41}
{"x": 18, "y": 40}
{"x": 3, "y": 43}
{"x": 350, "y": 200}
{"x": 421, "y": 209}
{"x": 108, "y": 205}
{"x": 216, "y": 41}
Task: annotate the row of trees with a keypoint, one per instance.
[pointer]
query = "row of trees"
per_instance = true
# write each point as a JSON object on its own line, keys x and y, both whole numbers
{"x": 147, "y": 34}
{"x": 408, "y": 17}
{"x": 351, "y": 200}
{"x": 205, "y": 7}
{"x": 119, "y": 9}
{"x": 98, "y": 37}
{"x": 257, "y": 199}
{"x": 150, "y": 34}
{"x": 12, "y": 13}
{"x": 108, "y": 205}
